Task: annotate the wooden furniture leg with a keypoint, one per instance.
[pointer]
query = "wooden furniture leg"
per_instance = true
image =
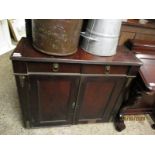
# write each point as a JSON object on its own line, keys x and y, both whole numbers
{"x": 119, "y": 122}
{"x": 153, "y": 119}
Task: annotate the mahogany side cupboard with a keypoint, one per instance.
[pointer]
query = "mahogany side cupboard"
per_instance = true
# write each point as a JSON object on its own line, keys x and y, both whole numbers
{"x": 80, "y": 88}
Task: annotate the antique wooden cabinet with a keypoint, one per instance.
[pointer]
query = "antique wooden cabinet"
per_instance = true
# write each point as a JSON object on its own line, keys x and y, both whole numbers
{"x": 132, "y": 29}
{"x": 141, "y": 98}
{"x": 74, "y": 89}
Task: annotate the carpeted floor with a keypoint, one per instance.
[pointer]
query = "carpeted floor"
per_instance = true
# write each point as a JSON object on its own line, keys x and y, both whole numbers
{"x": 10, "y": 114}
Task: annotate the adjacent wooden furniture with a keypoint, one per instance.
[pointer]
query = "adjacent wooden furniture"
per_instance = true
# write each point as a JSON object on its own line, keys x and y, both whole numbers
{"x": 80, "y": 88}
{"x": 132, "y": 29}
{"x": 141, "y": 96}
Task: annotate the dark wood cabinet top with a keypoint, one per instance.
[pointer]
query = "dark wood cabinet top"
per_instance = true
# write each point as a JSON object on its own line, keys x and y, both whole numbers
{"x": 147, "y": 72}
{"x": 25, "y": 52}
{"x": 145, "y": 51}
{"x": 143, "y": 46}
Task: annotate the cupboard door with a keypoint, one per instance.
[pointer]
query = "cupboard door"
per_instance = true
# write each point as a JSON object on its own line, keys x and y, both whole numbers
{"x": 52, "y": 99}
{"x": 97, "y": 98}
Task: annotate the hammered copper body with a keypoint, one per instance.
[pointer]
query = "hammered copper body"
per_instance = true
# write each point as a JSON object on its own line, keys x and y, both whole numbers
{"x": 56, "y": 36}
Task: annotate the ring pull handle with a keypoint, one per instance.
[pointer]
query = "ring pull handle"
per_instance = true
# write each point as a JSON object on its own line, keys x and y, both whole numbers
{"x": 107, "y": 69}
{"x": 55, "y": 67}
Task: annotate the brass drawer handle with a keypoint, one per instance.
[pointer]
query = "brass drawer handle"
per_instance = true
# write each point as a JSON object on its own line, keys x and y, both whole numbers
{"x": 55, "y": 67}
{"x": 107, "y": 69}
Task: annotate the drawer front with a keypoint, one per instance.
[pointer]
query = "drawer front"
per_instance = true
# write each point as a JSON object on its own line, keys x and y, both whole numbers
{"x": 134, "y": 70}
{"x": 104, "y": 69}
{"x": 19, "y": 67}
{"x": 53, "y": 67}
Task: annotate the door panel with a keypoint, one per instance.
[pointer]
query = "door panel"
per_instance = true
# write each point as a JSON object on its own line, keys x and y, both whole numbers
{"x": 52, "y": 98}
{"x": 97, "y": 97}
{"x": 54, "y": 95}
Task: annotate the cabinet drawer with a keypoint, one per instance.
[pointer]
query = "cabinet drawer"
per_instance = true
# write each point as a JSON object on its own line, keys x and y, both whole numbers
{"x": 53, "y": 67}
{"x": 104, "y": 69}
{"x": 19, "y": 67}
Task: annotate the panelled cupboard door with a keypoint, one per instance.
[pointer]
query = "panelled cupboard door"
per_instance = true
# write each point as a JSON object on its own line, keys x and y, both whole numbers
{"x": 97, "y": 98}
{"x": 52, "y": 99}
